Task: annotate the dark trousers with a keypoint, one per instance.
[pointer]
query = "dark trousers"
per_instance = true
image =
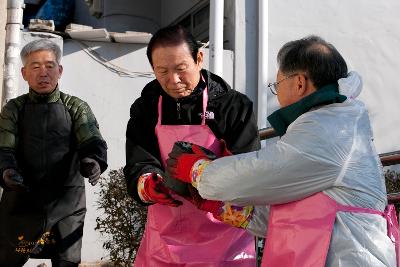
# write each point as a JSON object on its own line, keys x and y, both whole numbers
{"x": 62, "y": 246}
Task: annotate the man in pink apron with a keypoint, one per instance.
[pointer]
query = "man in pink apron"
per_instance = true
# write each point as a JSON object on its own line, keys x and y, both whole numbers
{"x": 184, "y": 103}
{"x": 318, "y": 193}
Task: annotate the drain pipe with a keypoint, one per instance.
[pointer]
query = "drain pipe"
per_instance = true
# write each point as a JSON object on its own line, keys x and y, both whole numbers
{"x": 216, "y": 36}
{"x": 11, "y": 59}
{"x": 13, "y": 40}
{"x": 262, "y": 63}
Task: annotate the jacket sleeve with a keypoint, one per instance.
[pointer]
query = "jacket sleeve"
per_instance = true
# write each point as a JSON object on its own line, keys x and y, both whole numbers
{"x": 240, "y": 129}
{"x": 87, "y": 133}
{"x": 302, "y": 163}
{"x": 142, "y": 152}
{"x": 8, "y": 137}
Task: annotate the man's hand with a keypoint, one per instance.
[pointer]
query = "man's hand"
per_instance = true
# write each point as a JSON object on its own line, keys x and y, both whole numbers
{"x": 224, "y": 149}
{"x": 212, "y": 206}
{"x": 14, "y": 181}
{"x": 223, "y": 211}
{"x": 182, "y": 158}
{"x": 90, "y": 168}
{"x": 151, "y": 189}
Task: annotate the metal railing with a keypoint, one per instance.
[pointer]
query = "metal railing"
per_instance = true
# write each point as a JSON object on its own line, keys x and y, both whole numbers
{"x": 387, "y": 159}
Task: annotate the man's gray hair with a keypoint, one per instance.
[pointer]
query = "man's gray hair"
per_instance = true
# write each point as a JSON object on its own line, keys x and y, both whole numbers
{"x": 39, "y": 45}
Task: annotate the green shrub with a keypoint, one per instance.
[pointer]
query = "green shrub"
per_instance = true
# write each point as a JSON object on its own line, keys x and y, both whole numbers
{"x": 122, "y": 220}
{"x": 392, "y": 180}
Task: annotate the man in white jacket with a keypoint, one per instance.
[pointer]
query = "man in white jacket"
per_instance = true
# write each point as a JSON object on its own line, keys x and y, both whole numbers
{"x": 318, "y": 194}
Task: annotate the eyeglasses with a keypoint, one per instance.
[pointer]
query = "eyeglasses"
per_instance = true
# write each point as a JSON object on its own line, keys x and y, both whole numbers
{"x": 274, "y": 86}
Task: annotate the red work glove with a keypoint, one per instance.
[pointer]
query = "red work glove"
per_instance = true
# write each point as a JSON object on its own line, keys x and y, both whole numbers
{"x": 203, "y": 204}
{"x": 151, "y": 189}
{"x": 224, "y": 149}
{"x": 225, "y": 212}
{"x": 182, "y": 158}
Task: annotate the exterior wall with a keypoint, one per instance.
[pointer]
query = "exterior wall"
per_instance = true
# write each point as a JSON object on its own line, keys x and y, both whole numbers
{"x": 366, "y": 33}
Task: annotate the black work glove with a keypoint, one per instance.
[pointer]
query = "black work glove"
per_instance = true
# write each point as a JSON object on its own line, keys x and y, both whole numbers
{"x": 179, "y": 164}
{"x": 90, "y": 168}
{"x": 14, "y": 181}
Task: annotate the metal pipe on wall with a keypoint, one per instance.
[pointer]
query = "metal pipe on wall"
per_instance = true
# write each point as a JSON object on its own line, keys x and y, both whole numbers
{"x": 11, "y": 59}
{"x": 262, "y": 63}
{"x": 216, "y": 36}
{"x": 12, "y": 49}
{"x": 3, "y": 20}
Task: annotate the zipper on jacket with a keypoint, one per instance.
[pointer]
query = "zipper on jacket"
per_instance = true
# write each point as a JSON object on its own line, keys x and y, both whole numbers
{"x": 178, "y": 110}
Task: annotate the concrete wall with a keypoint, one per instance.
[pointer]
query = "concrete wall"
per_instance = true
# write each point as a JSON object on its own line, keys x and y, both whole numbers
{"x": 366, "y": 32}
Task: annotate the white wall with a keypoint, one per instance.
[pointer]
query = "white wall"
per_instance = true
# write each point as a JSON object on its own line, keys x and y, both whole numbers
{"x": 366, "y": 33}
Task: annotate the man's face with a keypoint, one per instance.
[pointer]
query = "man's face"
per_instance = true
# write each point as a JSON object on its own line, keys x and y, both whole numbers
{"x": 176, "y": 70}
{"x": 42, "y": 71}
{"x": 286, "y": 89}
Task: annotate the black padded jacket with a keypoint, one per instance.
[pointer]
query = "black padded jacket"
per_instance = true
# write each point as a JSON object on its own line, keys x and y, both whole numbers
{"x": 229, "y": 115}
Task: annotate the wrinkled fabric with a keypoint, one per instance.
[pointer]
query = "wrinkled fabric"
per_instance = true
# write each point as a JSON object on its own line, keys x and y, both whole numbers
{"x": 44, "y": 137}
{"x": 229, "y": 115}
{"x": 328, "y": 149}
{"x": 283, "y": 117}
{"x": 300, "y": 236}
{"x": 351, "y": 85}
{"x": 185, "y": 235}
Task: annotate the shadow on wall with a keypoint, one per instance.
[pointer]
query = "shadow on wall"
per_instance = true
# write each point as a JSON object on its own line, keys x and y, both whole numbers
{"x": 108, "y": 51}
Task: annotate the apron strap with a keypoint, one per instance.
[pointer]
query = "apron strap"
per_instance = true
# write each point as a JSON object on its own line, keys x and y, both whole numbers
{"x": 159, "y": 110}
{"x": 341, "y": 207}
{"x": 389, "y": 214}
{"x": 205, "y": 101}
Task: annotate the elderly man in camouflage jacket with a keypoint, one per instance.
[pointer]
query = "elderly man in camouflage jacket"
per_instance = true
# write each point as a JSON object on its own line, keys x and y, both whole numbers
{"x": 48, "y": 141}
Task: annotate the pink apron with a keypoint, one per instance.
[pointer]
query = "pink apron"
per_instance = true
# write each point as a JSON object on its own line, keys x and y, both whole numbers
{"x": 186, "y": 236}
{"x": 299, "y": 232}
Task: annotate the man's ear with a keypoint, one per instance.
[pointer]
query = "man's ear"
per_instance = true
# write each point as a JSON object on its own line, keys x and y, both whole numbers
{"x": 200, "y": 59}
{"x": 301, "y": 85}
{"x": 60, "y": 69}
{"x": 23, "y": 72}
